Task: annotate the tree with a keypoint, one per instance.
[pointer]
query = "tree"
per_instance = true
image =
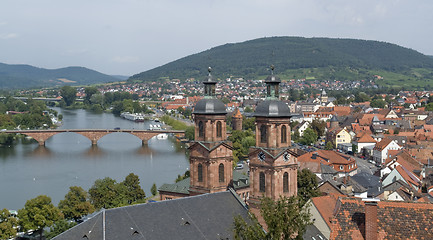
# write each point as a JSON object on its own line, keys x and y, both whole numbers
{"x": 90, "y": 91}
{"x": 249, "y": 123}
{"x": 329, "y": 145}
{"x": 153, "y": 190}
{"x": 107, "y": 193}
{"x": 8, "y": 225}
{"x": 377, "y": 103}
{"x": 76, "y": 204}
{"x": 38, "y": 213}
{"x": 318, "y": 126}
{"x": 134, "y": 192}
{"x": 307, "y": 185}
{"x": 58, "y": 228}
{"x": 189, "y": 132}
{"x": 309, "y": 137}
{"x": 68, "y": 94}
{"x": 285, "y": 219}
{"x": 184, "y": 176}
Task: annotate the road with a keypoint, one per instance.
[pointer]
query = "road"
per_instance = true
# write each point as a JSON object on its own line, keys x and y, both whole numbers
{"x": 365, "y": 166}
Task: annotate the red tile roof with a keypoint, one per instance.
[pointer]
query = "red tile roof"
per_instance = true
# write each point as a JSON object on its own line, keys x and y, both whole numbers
{"x": 395, "y": 220}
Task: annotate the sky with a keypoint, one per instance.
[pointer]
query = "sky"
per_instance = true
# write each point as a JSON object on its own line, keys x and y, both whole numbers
{"x": 125, "y": 37}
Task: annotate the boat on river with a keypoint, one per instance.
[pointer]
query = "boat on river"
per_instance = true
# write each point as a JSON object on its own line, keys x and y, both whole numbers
{"x": 136, "y": 117}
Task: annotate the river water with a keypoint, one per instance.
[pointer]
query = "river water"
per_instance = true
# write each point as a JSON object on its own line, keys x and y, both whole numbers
{"x": 69, "y": 159}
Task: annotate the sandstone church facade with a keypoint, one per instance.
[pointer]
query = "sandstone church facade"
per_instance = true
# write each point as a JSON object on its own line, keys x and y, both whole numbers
{"x": 273, "y": 165}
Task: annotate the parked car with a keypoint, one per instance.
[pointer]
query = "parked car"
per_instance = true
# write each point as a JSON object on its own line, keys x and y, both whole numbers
{"x": 239, "y": 166}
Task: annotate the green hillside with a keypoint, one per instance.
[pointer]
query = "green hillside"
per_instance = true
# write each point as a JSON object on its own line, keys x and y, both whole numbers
{"x": 296, "y": 57}
{"x": 26, "y": 76}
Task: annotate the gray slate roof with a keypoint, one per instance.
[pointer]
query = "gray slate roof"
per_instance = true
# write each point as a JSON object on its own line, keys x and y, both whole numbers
{"x": 207, "y": 216}
{"x": 210, "y": 106}
{"x": 272, "y": 108}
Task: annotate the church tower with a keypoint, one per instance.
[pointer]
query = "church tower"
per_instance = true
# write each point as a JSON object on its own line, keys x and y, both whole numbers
{"x": 273, "y": 166}
{"x": 211, "y": 155}
{"x": 237, "y": 120}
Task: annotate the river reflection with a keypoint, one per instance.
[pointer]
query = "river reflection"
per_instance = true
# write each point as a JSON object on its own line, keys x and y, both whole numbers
{"x": 69, "y": 159}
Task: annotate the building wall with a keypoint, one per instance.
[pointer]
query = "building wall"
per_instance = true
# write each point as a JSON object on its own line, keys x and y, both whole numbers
{"x": 319, "y": 222}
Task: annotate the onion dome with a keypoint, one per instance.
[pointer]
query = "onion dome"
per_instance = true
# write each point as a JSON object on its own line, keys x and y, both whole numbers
{"x": 209, "y": 104}
{"x": 272, "y": 107}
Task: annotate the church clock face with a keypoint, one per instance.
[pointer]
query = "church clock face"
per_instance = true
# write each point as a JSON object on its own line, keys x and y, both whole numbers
{"x": 261, "y": 156}
{"x": 286, "y": 156}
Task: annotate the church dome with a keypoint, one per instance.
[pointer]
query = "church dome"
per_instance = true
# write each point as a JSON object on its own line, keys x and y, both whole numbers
{"x": 210, "y": 106}
{"x": 272, "y": 108}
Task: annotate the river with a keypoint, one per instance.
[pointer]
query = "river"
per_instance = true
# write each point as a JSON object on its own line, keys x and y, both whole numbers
{"x": 69, "y": 159}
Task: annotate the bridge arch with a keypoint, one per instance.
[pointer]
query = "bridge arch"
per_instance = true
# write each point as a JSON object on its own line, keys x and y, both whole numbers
{"x": 92, "y": 134}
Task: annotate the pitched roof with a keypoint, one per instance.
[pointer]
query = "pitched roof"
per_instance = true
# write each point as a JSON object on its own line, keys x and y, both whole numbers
{"x": 325, "y": 157}
{"x": 207, "y": 216}
{"x": 396, "y": 220}
{"x": 382, "y": 144}
{"x": 322, "y": 204}
{"x": 366, "y": 138}
{"x": 179, "y": 187}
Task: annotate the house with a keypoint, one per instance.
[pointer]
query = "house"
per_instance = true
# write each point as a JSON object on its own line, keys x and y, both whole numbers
{"x": 338, "y": 135}
{"x": 207, "y": 216}
{"x": 380, "y": 151}
{"x": 363, "y": 140}
{"x": 343, "y": 164}
{"x": 301, "y": 127}
{"x": 401, "y": 158}
{"x": 403, "y": 174}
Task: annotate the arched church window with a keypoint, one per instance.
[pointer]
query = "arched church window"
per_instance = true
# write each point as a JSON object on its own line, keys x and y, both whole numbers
{"x": 285, "y": 182}
{"x": 262, "y": 183}
{"x": 263, "y": 137}
{"x": 200, "y": 172}
{"x": 219, "y": 129}
{"x": 200, "y": 129}
{"x": 283, "y": 134}
{"x": 221, "y": 172}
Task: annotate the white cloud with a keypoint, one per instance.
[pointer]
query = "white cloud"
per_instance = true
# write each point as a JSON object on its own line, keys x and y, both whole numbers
{"x": 3, "y": 23}
{"x": 9, "y": 36}
{"x": 125, "y": 59}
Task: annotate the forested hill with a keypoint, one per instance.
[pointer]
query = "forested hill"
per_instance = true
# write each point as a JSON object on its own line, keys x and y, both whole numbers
{"x": 331, "y": 58}
{"x": 26, "y": 76}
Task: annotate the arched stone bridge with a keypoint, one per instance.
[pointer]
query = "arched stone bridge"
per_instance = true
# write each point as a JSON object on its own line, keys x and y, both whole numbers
{"x": 93, "y": 134}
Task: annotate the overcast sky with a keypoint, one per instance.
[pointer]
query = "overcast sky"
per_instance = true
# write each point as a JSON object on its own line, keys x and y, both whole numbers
{"x": 130, "y": 36}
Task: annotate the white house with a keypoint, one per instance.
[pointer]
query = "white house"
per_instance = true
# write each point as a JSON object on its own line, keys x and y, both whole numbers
{"x": 380, "y": 151}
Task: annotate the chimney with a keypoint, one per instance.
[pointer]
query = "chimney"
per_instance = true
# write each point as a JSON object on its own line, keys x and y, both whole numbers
{"x": 371, "y": 219}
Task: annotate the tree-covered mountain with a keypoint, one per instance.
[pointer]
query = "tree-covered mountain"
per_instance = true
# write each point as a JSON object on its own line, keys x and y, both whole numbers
{"x": 296, "y": 57}
{"x": 26, "y": 76}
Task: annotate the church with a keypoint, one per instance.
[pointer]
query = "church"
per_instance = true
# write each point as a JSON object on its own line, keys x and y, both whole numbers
{"x": 273, "y": 163}
{"x": 204, "y": 205}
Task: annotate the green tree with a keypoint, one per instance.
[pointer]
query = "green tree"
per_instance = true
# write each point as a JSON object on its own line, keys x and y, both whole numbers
{"x": 329, "y": 145}
{"x": 107, "y": 193}
{"x": 184, "y": 176}
{"x": 318, "y": 126}
{"x": 38, "y": 213}
{"x": 58, "y": 228}
{"x": 189, "y": 132}
{"x": 307, "y": 185}
{"x": 249, "y": 123}
{"x": 309, "y": 137}
{"x": 285, "y": 219}
{"x": 8, "y": 225}
{"x": 68, "y": 94}
{"x": 248, "y": 109}
{"x": 90, "y": 91}
{"x": 134, "y": 192}
{"x": 76, "y": 204}
{"x": 377, "y": 103}
{"x": 154, "y": 190}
